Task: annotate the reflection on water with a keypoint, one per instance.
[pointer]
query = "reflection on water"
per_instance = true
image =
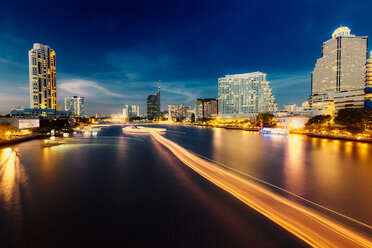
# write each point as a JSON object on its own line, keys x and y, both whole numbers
{"x": 294, "y": 165}
{"x": 333, "y": 173}
{"x": 13, "y": 189}
{"x": 12, "y": 177}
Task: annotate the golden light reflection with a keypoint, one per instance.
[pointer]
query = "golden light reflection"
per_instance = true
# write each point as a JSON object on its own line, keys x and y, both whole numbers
{"x": 12, "y": 180}
{"x": 294, "y": 165}
{"x": 312, "y": 227}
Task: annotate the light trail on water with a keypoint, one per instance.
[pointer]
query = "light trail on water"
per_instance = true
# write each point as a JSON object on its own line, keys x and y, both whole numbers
{"x": 312, "y": 227}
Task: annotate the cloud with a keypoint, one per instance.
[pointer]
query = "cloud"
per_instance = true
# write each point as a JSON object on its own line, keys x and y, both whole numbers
{"x": 86, "y": 88}
{"x": 142, "y": 65}
{"x": 11, "y": 63}
{"x": 284, "y": 80}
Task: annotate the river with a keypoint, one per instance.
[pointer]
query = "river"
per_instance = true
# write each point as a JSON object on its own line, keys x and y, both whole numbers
{"x": 129, "y": 189}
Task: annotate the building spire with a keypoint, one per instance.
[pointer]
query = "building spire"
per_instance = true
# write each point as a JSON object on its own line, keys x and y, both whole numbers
{"x": 159, "y": 87}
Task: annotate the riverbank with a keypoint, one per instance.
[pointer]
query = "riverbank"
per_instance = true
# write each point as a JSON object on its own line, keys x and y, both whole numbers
{"x": 19, "y": 140}
{"x": 340, "y": 137}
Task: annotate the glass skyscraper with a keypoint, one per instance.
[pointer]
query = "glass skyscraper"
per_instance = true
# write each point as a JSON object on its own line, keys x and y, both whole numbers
{"x": 153, "y": 106}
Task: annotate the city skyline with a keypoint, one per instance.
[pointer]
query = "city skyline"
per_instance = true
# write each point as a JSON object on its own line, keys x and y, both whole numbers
{"x": 127, "y": 70}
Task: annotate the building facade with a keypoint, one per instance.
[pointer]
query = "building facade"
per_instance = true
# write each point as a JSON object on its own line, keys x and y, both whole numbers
{"x": 342, "y": 65}
{"x": 368, "y": 86}
{"x": 245, "y": 95}
{"x": 131, "y": 111}
{"x": 37, "y": 112}
{"x": 291, "y": 108}
{"x": 75, "y": 104}
{"x": 177, "y": 112}
{"x": 43, "y": 77}
{"x": 153, "y": 106}
{"x": 206, "y": 108}
{"x": 349, "y": 99}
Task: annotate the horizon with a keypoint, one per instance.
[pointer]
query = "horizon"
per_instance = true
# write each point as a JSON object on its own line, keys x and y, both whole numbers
{"x": 115, "y": 53}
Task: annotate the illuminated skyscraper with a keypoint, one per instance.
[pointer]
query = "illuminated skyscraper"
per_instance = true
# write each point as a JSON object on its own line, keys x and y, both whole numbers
{"x": 342, "y": 65}
{"x": 245, "y": 95}
{"x": 75, "y": 104}
{"x": 368, "y": 88}
{"x": 43, "y": 79}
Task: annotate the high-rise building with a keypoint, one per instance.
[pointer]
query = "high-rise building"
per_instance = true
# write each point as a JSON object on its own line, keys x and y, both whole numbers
{"x": 206, "y": 108}
{"x": 153, "y": 105}
{"x": 131, "y": 111}
{"x": 342, "y": 65}
{"x": 75, "y": 104}
{"x": 245, "y": 95}
{"x": 43, "y": 79}
{"x": 368, "y": 86}
{"x": 177, "y": 112}
{"x": 339, "y": 74}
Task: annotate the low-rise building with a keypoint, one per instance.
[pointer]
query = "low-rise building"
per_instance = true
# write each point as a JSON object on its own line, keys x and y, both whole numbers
{"x": 21, "y": 123}
{"x": 322, "y": 103}
{"x": 37, "y": 112}
{"x": 177, "y": 112}
{"x": 291, "y": 108}
{"x": 292, "y": 122}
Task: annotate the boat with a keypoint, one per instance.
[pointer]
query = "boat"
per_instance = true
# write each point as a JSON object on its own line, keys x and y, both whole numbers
{"x": 142, "y": 130}
{"x": 277, "y": 131}
{"x": 49, "y": 143}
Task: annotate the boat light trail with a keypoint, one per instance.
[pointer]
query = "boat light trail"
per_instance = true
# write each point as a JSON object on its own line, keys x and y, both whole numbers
{"x": 312, "y": 227}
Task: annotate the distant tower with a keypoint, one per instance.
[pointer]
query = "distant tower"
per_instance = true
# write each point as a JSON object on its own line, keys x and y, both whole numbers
{"x": 153, "y": 105}
{"x": 43, "y": 78}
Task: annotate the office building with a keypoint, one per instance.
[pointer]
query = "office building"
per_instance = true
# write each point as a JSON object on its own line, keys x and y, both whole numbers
{"x": 153, "y": 105}
{"x": 206, "y": 108}
{"x": 245, "y": 95}
{"x": 342, "y": 65}
{"x": 338, "y": 79}
{"x": 43, "y": 78}
{"x": 130, "y": 111}
{"x": 177, "y": 112}
{"x": 368, "y": 85}
{"x": 75, "y": 104}
{"x": 291, "y": 108}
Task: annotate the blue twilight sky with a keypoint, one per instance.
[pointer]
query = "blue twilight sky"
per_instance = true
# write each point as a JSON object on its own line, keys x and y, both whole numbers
{"x": 114, "y": 52}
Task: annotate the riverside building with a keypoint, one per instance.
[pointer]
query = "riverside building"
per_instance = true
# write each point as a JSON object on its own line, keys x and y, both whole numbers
{"x": 131, "y": 111}
{"x": 245, "y": 95}
{"x": 75, "y": 104}
{"x": 368, "y": 86}
{"x": 206, "y": 108}
{"x": 43, "y": 78}
{"x": 340, "y": 72}
{"x": 177, "y": 112}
